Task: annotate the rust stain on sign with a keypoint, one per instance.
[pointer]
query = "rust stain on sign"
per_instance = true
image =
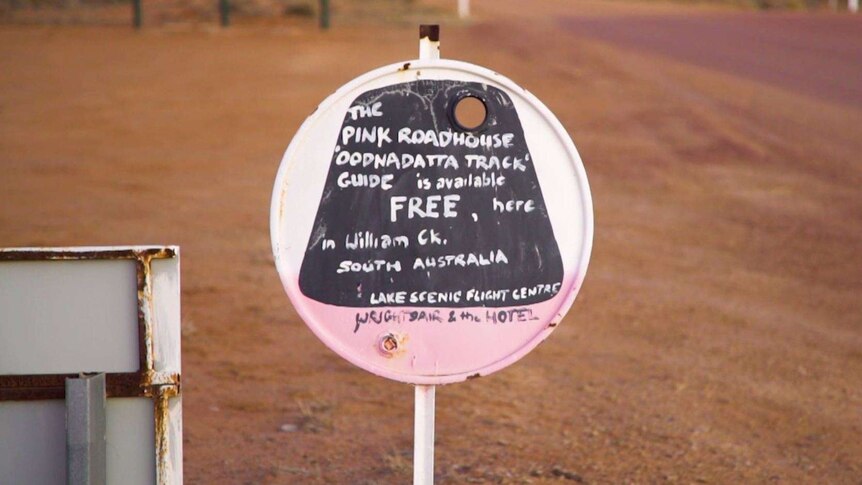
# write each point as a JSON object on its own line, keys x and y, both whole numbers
{"x": 73, "y": 254}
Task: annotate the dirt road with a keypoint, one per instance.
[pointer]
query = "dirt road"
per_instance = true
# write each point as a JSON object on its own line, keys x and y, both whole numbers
{"x": 818, "y": 55}
{"x": 717, "y": 338}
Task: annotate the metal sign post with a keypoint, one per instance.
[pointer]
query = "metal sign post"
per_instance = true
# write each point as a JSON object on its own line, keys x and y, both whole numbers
{"x": 431, "y": 223}
{"x": 86, "y": 425}
{"x": 423, "y": 421}
{"x": 423, "y": 436}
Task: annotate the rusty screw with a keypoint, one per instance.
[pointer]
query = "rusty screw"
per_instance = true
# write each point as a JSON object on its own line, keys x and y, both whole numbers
{"x": 389, "y": 344}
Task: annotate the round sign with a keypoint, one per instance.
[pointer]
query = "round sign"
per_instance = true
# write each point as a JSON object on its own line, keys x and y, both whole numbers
{"x": 431, "y": 222}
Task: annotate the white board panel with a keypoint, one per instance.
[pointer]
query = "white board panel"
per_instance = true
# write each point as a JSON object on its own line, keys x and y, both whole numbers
{"x": 175, "y": 439}
{"x": 131, "y": 442}
{"x": 63, "y": 317}
{"x": 33, "y": 444}
{"x": 166, "y": 314}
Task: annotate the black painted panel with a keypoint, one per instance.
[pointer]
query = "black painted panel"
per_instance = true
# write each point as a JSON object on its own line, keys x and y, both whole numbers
{"x": 478, "y": 249}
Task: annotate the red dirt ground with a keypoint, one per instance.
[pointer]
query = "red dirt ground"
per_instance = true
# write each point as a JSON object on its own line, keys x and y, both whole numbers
{"x": 717, "y": 339}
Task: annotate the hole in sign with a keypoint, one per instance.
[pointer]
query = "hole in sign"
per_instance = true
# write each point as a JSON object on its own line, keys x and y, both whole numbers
{"x": 469, "y": 113}
{"x": 389, "y": 344}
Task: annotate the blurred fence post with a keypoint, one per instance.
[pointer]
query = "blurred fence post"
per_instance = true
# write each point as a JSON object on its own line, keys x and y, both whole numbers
{"x": 463, "y": 9}
{"x": 137, "y": 13}
{"x": 324, "y": 14}
{"x": 224, "y": 12}
{"x": 853, "y": 5}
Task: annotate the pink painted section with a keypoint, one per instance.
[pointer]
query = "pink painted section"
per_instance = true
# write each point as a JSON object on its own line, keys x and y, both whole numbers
{"x": 431, "y": 351}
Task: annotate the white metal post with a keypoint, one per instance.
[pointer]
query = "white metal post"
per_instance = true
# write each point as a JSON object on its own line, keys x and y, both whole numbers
{"x": 423, "y": 436}
{"x": 429, "y": 42}
{"x": 423, "y": 424}
{"x": 853, "y": 5}
{"x": 463, "y": 9}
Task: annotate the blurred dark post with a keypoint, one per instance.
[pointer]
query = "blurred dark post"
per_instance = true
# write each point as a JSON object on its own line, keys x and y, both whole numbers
{"x": 324, "y": 14}
{"x": 137, "y": 14}
{"x": 224, "y": 12}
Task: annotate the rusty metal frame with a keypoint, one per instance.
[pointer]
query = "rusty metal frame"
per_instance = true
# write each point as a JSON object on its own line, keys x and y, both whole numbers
{"x": 146, "y": 382}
